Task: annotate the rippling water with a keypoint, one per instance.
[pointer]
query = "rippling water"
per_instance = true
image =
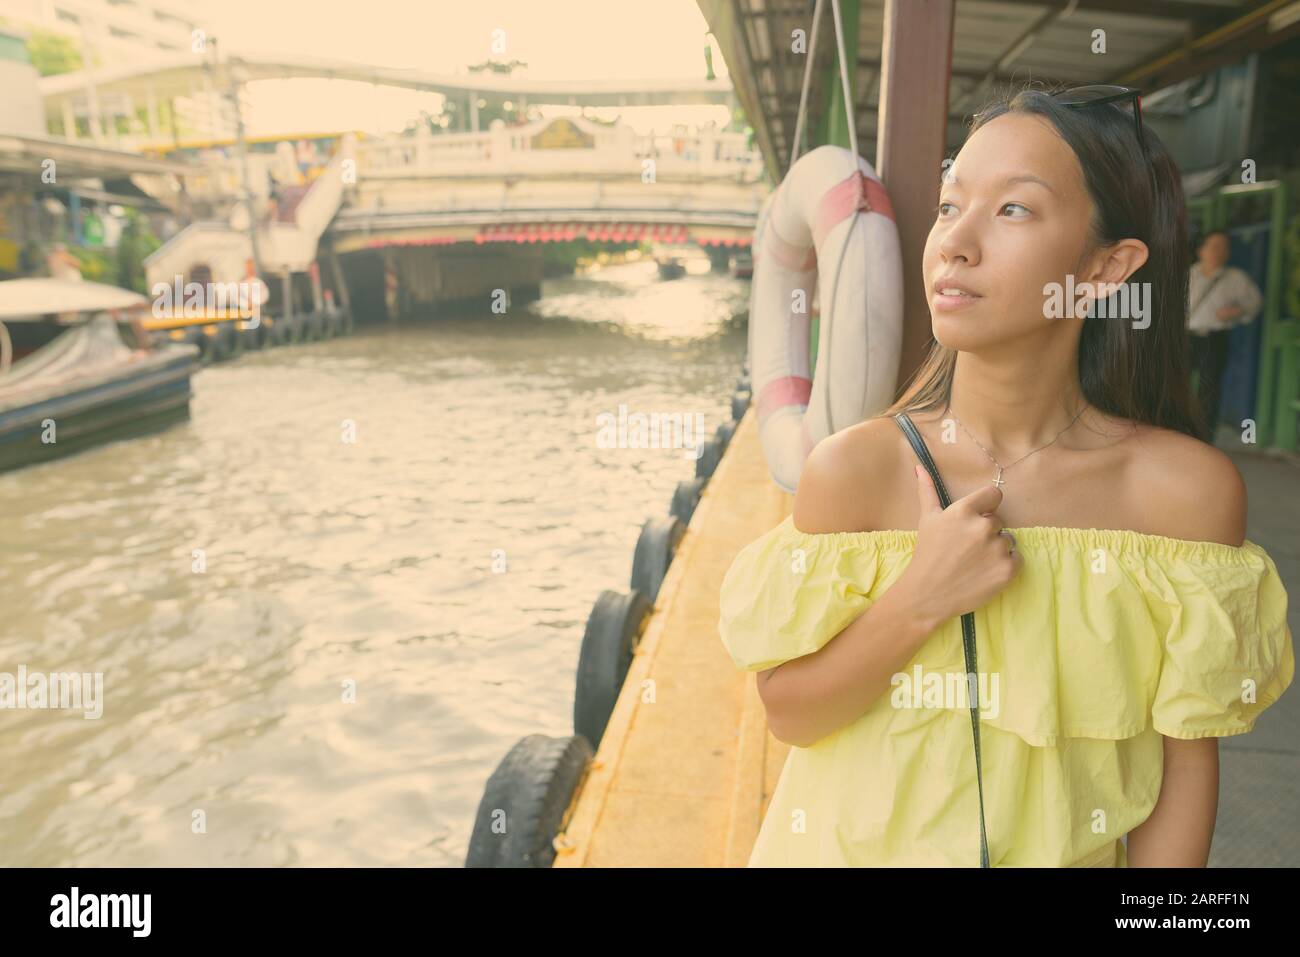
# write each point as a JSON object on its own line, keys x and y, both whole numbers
{"x": 329, "y": 562}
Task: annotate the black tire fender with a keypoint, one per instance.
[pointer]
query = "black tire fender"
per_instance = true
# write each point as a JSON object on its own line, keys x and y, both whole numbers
{"x": 685, "y": 497}
{"x": 612, "y": 632}
{"x": 655, "y": 548}
{"x": 739, "y": 403}
{"x": 526, "y": 802}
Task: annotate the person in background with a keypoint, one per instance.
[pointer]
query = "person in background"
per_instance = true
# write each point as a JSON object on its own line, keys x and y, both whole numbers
{"x": 62, "y": 264}
{"x": 1219, "y": 297}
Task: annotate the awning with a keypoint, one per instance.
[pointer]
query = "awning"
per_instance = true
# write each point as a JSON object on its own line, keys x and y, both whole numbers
{"x": 1152, "y": 44}
{"x": 35, "y": 297}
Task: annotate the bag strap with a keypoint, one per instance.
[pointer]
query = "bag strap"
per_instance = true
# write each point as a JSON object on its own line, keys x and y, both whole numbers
{"x": 967, "y": 623}
{"x": 1200, "y": 300}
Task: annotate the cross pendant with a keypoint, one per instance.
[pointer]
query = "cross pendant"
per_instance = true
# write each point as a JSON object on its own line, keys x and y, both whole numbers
{"x": 998, "y": 481}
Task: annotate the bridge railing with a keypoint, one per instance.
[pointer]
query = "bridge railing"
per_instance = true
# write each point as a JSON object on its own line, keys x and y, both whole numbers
{"x": 615, "y": 153}
{"x": 510, "y": 152}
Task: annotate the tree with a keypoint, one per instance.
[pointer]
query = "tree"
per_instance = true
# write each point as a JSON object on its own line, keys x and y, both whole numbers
{"x": 53, "y": 53}
{"x": 497, "y": 66}
{"x": 135, "y": 244}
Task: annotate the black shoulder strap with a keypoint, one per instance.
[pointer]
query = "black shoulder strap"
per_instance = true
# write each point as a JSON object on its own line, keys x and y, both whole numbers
{"x": 967, "y": 623}
{"x": 923, "y": 453}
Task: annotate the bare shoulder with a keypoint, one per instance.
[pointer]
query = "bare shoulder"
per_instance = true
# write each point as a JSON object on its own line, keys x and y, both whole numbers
{"x": 844, "y": 477}
{"x": 1190, "y": 489}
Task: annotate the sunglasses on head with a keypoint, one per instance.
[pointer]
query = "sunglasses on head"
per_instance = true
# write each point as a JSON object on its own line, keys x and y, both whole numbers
{"x": 1098, "y": 94}
{"x": 1101, "y": 93}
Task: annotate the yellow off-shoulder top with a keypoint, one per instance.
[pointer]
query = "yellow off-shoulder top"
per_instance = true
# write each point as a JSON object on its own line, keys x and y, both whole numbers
{"x": 1106, "y": 640}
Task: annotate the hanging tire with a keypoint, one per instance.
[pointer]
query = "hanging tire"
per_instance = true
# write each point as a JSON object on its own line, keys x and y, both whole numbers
{"x": 298, "y": 328}
{"x": 226, "y": 342}
{"x": 315, "y": 327}
{"x": 280, "y": 332}
{"x": 739, "y": 403}
{"x": 251, "y": 338}
{"x": 742, "y": 384}
{"x": 612, "y": 632}
{"x": 208, "y": 344}
{"x": 525, "y": 802}
{"x": 710, "y": 456}
{"x": 195, "y": 337}
{"x": 685, "y": 497}
{"x": 655, "y": 548}
{"x": 724, "y": 433}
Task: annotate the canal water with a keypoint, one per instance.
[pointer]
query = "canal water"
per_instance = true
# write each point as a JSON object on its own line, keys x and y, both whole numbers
{"x": 326, "y": 606}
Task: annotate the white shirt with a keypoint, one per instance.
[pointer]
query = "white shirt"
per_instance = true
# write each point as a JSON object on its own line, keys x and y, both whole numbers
{"x": 1233, "y": 288}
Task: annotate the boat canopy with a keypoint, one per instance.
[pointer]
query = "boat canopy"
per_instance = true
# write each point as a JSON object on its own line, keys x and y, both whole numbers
{"x": 88, "y": 349}
{"x": 33, "y": 298}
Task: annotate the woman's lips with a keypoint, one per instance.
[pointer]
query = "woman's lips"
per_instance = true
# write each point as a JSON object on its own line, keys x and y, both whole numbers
{"x": 949, "y": 303}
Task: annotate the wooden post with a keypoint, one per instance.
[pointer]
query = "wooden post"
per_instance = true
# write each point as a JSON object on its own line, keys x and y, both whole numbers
{"x": 392, "y": 290}
{"x": 286, "y": 287}
{"x": 317, "y": 301}
{"x": 911, "y": 130}
{"x": 340, "y": 283}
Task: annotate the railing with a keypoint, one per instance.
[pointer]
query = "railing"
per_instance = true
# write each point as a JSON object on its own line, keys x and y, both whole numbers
{"x": 504, "y": 152}
{"x": 509, "y": 151}
{"x": 165, "y": 257}
{"x": 323, "y": 197}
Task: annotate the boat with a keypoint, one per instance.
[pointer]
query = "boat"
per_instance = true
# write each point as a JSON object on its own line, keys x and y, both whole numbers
{"x": 671, "y": 268}
{"x": 742, "y": 265}
{"x": 76, "y": 383}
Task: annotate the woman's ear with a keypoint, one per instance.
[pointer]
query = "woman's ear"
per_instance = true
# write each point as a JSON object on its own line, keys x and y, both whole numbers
{"x": 1115, "y": 263}
{"x": 1110, "y": 267}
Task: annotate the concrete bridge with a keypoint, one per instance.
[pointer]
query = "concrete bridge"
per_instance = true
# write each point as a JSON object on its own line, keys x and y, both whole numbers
{"x": 449, "y": 218}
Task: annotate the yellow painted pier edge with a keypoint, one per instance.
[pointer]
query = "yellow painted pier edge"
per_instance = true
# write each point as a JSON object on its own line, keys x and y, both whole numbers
{"x": 683, "y": 780}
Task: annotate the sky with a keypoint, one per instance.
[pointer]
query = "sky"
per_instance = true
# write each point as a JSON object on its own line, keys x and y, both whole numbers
{"x": 558, "y": 39}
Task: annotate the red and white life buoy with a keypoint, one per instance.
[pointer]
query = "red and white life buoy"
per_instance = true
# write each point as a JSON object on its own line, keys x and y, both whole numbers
{"x": 832, "y": 229}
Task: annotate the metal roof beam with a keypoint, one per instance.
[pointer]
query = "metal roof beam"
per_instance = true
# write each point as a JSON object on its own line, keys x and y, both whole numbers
{"x": 1200, "y": 13}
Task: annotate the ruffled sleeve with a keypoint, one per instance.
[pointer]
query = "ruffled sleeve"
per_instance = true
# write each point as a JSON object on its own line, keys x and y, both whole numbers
{"x": 787, "y": 593}
{"x": 1227, "y": 651}
{"x": 1106, "y": 633}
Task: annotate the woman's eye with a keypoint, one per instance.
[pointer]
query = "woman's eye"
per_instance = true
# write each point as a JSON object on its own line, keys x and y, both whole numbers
{"x": 1024, "y": 210}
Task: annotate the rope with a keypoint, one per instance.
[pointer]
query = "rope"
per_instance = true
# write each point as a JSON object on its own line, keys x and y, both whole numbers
{"x": 853, "y": 148}
{"x": 835, "y": 281}
{"x": 803, "y": 94}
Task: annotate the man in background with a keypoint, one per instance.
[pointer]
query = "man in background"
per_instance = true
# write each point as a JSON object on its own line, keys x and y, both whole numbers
{"x": 1219, "y": 297}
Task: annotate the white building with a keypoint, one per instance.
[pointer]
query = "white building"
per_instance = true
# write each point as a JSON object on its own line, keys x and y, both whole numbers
{"x": 114, "y": 31}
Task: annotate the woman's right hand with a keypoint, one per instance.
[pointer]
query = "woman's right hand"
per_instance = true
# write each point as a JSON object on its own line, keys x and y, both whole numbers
{"x": 961, "y": 560}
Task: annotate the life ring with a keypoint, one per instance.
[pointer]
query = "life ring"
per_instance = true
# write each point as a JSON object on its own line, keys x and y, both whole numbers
{"x": 823, "y": 229}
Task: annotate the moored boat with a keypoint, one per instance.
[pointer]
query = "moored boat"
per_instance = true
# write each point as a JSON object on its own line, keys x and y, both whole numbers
{"x": 85, "y": 385}
{"x": 671, "y": 269}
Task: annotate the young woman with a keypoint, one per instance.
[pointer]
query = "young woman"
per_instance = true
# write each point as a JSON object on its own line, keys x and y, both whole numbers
{"x": 1123, "y": 621}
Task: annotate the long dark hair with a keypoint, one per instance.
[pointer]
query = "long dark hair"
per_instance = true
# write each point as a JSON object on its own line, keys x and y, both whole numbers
{"x": 1136, "y": 374}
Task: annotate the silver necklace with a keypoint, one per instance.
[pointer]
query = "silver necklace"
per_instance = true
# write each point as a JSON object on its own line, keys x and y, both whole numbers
{"x": 1002, "y": 468}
